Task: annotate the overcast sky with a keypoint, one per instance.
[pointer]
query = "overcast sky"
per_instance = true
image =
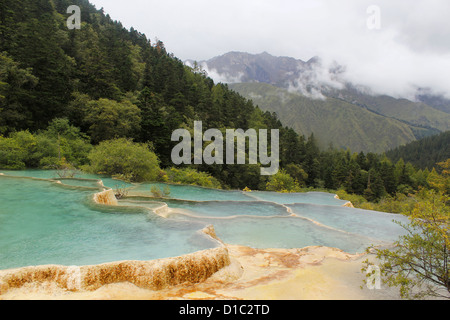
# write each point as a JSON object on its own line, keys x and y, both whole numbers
{"x": 408, "y": 47}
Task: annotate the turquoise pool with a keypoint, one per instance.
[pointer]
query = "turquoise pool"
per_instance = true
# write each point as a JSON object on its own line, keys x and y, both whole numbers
{"x": 52, "y": 174}
{"x": 43, "y": 222}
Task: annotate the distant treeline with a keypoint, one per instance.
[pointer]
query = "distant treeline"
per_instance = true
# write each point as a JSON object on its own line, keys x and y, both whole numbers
{"x": 424, "y": 153}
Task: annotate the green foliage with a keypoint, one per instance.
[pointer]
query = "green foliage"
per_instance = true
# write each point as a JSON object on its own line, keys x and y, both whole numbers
{"x": 424, "y": 153}
{"x": 133, "y": 161}
{"x": 65, "y": 169}
{"x": 15, "y": 86}
{"x": 445, "y": 166}
{"x": 70, "y": 143}
{"x": 357, "y": 200}
{"x": 191, "y": 176}
{"x": 11, "y": 154}
{"x": 297, "y": 172}
{"x": 419, "y": 263}
{"x": 158, "y": 193}
{"x": 282, "y": 182}
{"x": 31, "y": 35}
{"x": 45, "y": 149}
{"x": 400, "y": 203}
{"x": 108, "y": 119}
{"x": 440, "y": 182}
{"x": 375, "y": 186}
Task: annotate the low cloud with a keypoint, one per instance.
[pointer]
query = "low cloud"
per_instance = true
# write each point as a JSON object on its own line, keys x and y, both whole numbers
{"x": 218, "y": 77}
{"x": 317, "y": 77}
{"x": 410, "y": 50}
{"x": 223, "y": 77}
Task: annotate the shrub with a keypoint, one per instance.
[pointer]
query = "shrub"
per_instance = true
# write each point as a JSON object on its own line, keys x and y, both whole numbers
{"x": 45, "y": 149}
{"x": 158, "y": 193}
{"x": 126, "y": 158}
{"x": 418, "y": 265}
{"x": 282, "y": 182}
{"x": 357, "y": 200}
{"x": 192, "y": 177}
{"x": 11, "y": 154}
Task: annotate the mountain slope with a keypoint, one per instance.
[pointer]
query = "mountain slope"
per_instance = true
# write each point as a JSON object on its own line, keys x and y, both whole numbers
{"x": 378, "y": 122}
{"x": 414, "y": 113}
{"x": 436, "y": 101}
{"x": 333, "y": 121}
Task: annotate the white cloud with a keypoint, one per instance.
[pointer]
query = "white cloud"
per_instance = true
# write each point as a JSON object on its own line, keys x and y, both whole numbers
{"x": 316, "y": 77}
{"x": 222, "y": 77}
{"x": 412, "y": 48}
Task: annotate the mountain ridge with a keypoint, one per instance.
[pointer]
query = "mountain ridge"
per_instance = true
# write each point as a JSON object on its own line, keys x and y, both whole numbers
{"x": 326, "y": 87}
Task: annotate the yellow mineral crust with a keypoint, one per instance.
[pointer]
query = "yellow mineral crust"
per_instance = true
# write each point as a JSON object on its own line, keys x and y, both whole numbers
{"x": 348, "y": 205}
{"x": 154, "y": 275}
{"x": 313, "y": 273}
{"x": 106, "y": 197}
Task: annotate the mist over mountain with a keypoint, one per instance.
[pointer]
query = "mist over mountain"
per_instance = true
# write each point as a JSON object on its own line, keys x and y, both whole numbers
{"x": 314, "y": 96}
{"x": 307, "y": 77}
{"x": 436, "y": 101}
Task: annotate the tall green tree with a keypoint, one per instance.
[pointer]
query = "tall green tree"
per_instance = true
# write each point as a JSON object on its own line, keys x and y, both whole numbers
{"x": 39, "y": 42}
{"x": 15, "y": 93}
{"x": 109, "y": 119}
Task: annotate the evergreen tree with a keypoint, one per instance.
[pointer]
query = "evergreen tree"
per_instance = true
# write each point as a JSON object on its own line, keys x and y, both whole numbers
{"x": 387, "y": 172}
{"x": 15, "y": 93}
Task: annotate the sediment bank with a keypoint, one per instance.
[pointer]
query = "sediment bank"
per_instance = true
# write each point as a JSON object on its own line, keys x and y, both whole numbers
{"x": 313, "y": 273}
{"x": 153, "y": 275}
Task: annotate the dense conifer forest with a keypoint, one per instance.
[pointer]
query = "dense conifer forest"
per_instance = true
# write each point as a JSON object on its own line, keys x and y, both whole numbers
{"x": 424, "y": 153}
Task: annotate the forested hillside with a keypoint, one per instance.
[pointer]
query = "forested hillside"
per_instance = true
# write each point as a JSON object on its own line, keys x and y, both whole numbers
{"x": 424, "y": 153}
{"x": 332, "y": 120}
{"x": 65, "y": 92}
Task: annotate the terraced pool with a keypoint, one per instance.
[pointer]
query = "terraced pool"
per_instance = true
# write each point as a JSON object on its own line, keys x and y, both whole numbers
{"x": 46, "y": 220}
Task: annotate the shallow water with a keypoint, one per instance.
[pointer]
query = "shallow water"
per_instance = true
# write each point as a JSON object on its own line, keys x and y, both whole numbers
{"x": 52, "y": 174}
{"x": 42, "y": 222}
{"x": 229, "y": 209}
{"x": 320, "y": 198}
{"x": 285, "y": 233}
{"x": 191, "y": 193}
{"x": 377, "y": 225}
